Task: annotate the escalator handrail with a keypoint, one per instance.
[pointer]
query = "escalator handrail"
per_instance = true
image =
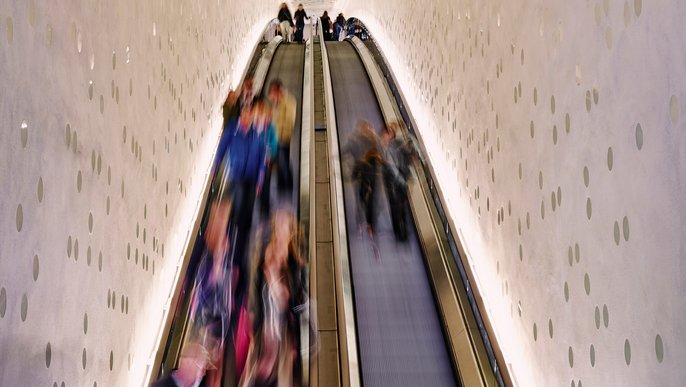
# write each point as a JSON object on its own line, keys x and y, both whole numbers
{"x": 350, "y": 366}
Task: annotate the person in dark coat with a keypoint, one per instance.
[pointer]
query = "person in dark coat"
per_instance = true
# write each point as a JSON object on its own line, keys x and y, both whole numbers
{"x": 396, "y": 173}
{"x": 300, "y": 16}
{"x": 327, "y": 26}
{"x": 285, "y": 21}
{"x": 364, "y": 172}
{"x": 338, "y": 26}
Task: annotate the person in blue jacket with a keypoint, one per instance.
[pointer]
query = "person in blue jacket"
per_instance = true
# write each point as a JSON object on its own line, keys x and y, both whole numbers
{"x": 265, "y": 127}
{"x": 243, "y": 154}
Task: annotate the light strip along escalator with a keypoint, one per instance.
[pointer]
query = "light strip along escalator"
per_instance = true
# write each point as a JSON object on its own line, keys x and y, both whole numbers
{"x": 400, "y": 337}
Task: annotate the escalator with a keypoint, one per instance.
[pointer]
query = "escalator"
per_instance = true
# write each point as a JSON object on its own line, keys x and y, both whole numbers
{"x": 287, "y": 64}
{"x": 400, "y": 337}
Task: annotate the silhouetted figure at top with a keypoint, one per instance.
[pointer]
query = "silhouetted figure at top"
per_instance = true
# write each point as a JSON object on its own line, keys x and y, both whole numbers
{"x": 285, "y": 21}
{"x": 338, "y": 26}
{"x": 327, "y": 26}
{"x": 300, "y": 16}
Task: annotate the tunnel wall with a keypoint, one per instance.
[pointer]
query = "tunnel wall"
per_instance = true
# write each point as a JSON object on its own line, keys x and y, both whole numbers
{"x": 556, "y": 134}
{"x": 109, "y": 115}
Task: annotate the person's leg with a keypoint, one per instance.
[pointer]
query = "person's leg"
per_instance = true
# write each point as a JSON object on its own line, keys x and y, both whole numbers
{"x": 392, "y": 201}
{"x": 244, "y": 225}
{"x": 402, "y": 204}
{"x": 369, "y": 204}
{"x": 265, "y": 205}
{"x": 285, "y": 174}
{"x": 289, "y": 170}
{"x": 285, "y": 30}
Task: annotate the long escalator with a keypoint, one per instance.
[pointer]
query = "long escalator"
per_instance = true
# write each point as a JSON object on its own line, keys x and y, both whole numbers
{"x": 287, "y": 65}
{"x": 400, "y": 337}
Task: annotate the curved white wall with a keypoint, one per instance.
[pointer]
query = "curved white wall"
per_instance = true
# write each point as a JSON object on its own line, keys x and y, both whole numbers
{"x": 557, "y": 132}
{"x": 109, "y": 112}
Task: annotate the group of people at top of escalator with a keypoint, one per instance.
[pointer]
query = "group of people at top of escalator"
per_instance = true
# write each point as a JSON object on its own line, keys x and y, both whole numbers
{"x": 332, "y": 29}
{"x": 249, "y": 293}
{"x": 287, "y": 22}
{"x": 386, "y": 154}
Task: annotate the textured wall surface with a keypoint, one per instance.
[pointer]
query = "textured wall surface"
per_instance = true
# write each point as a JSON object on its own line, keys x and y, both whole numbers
{"x": 557, "y": 133}
{"x": 109, "y": 112}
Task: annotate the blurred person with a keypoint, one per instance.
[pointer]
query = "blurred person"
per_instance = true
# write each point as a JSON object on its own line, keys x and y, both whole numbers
{"x": 338, "y": 26}
{"x": 234, "y": 104}
{"x": 279, "y": 295}
{"x": 245, "y": 169}
{"x": 363, "y": 148}
{"x": 365, "y": 173}
{"x": 231, "y": 107}
{"x": 396, "y": 173}
{"x": 212, "y": 294}
{"x": 300, "y": 16}
{"x": 360, "y": 141}
{"x": 266, "y": 129}
{"x": 247, "y": 93}
{"x": 286, "y": 21}
{"x": 193, "y": 363}
{"x": 284, "y": 111}
{"x": 326, "y": 25}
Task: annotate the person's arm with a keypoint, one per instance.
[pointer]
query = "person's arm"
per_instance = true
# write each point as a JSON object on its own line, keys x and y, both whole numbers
{"x": 224, "y": 143}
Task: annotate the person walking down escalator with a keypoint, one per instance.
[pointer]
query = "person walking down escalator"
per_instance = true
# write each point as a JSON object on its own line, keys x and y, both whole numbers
{"x": 245, "y": 169}
{"x": 396, "y": 173}
{"x": 212, "y": 294}
{"x": 285, "y": 21}
{"x": 338, "y": 26}
{"x": 278, "y": 297}
{"x": 363, "y": 150}
{"x": 194, "y": 362}
{"x": 266, "y": 129}
{"x": 284, "y": 108}
{"x": 327, "y": 26}
{"x": 300, "y": 16}
{"x": 365, "y": 173}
